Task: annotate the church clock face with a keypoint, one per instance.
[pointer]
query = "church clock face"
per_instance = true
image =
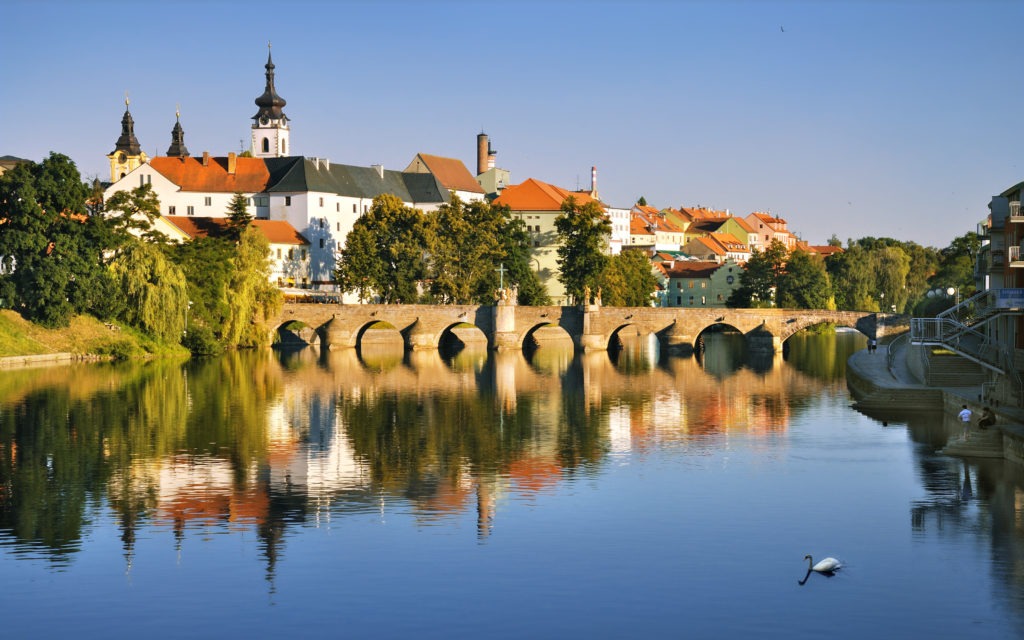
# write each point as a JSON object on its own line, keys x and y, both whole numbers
{"x": 122, "y": 158}
{"x": 264, "y": 120}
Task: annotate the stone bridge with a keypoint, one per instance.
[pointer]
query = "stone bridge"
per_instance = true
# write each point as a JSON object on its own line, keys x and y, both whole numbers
{"x": 591, "y": 328}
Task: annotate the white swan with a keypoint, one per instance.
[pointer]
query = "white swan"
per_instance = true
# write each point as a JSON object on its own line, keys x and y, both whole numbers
{"x": 828, "y": 565}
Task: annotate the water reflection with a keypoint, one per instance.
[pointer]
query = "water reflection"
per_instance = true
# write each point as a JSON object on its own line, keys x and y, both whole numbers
{"x": 270, "y": 441}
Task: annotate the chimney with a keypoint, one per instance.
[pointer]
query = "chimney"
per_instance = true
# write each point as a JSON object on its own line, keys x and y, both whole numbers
{"x": 206, "y": 158}
{"x": 232, "y": 163}
{"x": 379, "y": 168}
{"x": 482, "y": 152}
{"x": 593, "y": 182}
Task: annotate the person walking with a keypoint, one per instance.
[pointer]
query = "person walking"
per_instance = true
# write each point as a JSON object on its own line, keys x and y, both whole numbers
{"x": 988, "y": 418}
{"x": 965, "y": 419}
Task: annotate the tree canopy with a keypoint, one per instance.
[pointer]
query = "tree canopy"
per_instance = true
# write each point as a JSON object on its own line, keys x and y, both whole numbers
{"x": 583, "y": 232}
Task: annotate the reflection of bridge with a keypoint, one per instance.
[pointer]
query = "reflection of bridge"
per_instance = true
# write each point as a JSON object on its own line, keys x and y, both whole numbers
{"x": 590, "y": 328}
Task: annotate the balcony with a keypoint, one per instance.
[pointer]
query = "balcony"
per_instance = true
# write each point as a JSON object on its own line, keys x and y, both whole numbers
{"x": 1014, "y": 256}
{"x": 1015, "y": 213}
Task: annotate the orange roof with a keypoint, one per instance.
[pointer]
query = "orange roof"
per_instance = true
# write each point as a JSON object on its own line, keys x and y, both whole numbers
{"x": 450, "y": 172}
{"x": 768, "y": 219}
{"x": 710, "y": 244}
{"x": 534, "y": 195}
{"x": 275, "y": 231}
{"x": 645, "y": 209}
{"x": 698, "y": 213}
{"x": 729, "y": 242}
{"x": 745, "y": 225}
{"x": 825, "y": 250}
{"x": 638, "y": 227}
{"x": 251, "y": 175}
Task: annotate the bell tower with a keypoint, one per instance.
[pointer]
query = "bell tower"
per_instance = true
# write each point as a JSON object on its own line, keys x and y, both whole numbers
{"x": 127, "y": 154}
{"x": 270, "y": 125}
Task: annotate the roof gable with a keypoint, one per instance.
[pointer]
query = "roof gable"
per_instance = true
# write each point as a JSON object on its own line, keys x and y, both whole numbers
{"x": 275, "y": 231}
{"x": 534, "y": 195}
{"x": 450, "y": 172}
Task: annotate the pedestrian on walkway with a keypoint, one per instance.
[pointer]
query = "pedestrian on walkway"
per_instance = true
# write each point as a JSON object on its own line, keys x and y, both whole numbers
{"x": 988, "y": 418}
{"x": 872, "y": 345}
{"x": 965, "y": 419}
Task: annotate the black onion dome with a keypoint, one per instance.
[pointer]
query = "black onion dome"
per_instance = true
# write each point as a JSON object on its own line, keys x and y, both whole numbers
{"x": 270, "y": 103}
{"x": 177, "y": 148}
{"x": 127, "y": 142}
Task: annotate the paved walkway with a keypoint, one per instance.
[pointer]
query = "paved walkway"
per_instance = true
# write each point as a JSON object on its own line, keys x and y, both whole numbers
{"x": 876, "y": 367}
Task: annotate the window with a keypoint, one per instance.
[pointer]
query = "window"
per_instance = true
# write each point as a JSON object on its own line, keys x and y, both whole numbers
{"x": 321, "y": 202}
{"x": 679, "y": 284}
{"x": 287, "y": 201}
{"x": 720, "y": 297}
{"x": 536, "y": 243}
{"x": 291, "y": 254}
{"x": 703, "y": 300}
{"x": 266, "y": 145}
{"x": 284, "y": 147}
{"x": 691, "y": 301}
{"x": 142, "y": 180}
{"x": 207, "y": 200}
{"x": 354, "y": 210}
{"x": 366, "y": 208}
{"x": 191, "y": 210}
{"x": 703, "y": 285}
{"x": 279, "y": 253}
{"x": 149, "y": 179}
{"x": 679, "y": 301}
{"x": 303, "y": 254}
{"x": 729, "y": 279}
{"x": 689, "y": 284}
{"x": 338, "y": 227}
{"x": 321, "y": 243}
{"x": 170, "y": 210}
{"x": 337, "y": 207}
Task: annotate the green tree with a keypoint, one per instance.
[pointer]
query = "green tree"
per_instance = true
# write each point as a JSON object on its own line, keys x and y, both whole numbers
{"x": 759, "y": 280}
{"x": 47, "y": 261}
{"x": 464, "y": 244}
{"x": 253, "y": 299}
{"x": 642, "y": 201}
{"x": 385, "y": 253}
{"x": 804, "y": 283}
{"x": 208, "y": 268}
{"x": 628, "y": 280}
{"x": 131, "y": 214}
{"x": 155, "y": 290}
{"x": 238, "y": 214}
{"x": 583, "y": 232}
{"x": 517, "y": 244}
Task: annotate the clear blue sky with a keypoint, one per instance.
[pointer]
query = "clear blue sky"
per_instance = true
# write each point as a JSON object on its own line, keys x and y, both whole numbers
{"x": 853, "y": 118}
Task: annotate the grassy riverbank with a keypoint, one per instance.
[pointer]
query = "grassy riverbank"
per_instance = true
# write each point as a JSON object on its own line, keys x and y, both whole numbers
{"x": 85, "y": 335}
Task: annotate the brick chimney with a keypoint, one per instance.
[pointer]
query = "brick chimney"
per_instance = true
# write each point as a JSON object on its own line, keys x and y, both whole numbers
{"x": 232, "y": 163}
{"x": 482, "y": 147}
{"x": 206, "y": 158}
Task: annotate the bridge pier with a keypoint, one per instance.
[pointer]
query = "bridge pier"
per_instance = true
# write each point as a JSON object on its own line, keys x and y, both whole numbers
{"x": 676, "y": 340}
{"x": 761, "y": 340}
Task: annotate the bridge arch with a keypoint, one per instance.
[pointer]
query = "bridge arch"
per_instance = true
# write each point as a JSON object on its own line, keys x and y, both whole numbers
{"x": 545, "y": 334}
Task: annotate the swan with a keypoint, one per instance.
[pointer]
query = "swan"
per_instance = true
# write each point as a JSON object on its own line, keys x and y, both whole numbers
{"x": 828, "y": 565}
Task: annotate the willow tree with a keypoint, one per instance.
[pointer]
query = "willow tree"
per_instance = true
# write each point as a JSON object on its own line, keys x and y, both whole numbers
{"x": 154, "y": 289}
{"x": 253, "y": 299}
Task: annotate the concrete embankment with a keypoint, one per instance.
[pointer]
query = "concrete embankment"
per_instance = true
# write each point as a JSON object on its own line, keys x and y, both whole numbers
{"x": 880, "y": 383}
{"x": 43, "y": 359}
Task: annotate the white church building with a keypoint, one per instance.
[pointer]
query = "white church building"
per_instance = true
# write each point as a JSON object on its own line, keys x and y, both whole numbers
{"x": 320, "y": 199}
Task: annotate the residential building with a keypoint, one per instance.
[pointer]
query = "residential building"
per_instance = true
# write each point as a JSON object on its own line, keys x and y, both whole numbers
{"x": 450, "y": 173}
{"x": 769, "y": 228}
{"x": 717, "y": 247}
{"x": 701, "y": 284}
{"x": 537, "y": 204}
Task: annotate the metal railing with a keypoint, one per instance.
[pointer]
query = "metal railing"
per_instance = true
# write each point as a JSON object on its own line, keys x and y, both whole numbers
{"x": 890, "y": 353}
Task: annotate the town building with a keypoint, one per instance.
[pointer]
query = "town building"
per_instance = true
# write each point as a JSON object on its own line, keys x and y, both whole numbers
{"x": 701, "y": 283}
{"x": 321, "y": 200}
{"x": 538, "y": 204}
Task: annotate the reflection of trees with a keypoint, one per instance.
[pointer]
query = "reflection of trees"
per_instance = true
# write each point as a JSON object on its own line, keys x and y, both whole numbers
{"x": 266, "y": 439}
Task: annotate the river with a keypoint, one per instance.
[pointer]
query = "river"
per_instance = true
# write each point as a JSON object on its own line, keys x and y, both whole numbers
{"x": 472, "y": 494}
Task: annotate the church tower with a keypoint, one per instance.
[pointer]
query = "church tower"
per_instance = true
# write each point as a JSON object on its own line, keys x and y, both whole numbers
{"x": 127, "y": 154}
{"x": 177, "y": 148}
{"x": 270, "y": 125}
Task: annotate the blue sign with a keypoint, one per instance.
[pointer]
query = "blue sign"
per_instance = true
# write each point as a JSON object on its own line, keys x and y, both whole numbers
{"x": 1010, "y": 298}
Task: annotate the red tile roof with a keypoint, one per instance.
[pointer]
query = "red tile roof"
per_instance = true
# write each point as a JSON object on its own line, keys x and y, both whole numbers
{"x": 250, "y": 176}
{"x": 534, "y": 195}
{"x": 275, "y": 231}
{"x": 450, "y": 172}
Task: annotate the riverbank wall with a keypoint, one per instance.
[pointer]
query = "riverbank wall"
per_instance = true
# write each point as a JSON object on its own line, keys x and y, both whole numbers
{"x": 881, "y": 383}
{"x": 45, "y": 359}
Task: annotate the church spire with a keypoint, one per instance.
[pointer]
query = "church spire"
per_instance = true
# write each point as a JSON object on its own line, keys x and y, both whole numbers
{"x": 127, "y": 154}
{"x": 127, "y": 143}
{"x": 270, "y": 125}
{"x": 270, "y": 103}
{"x": 177, "y": 148}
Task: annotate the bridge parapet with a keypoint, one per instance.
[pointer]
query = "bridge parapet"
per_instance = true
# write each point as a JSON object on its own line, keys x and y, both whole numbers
{"x": 591, "y": 328}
